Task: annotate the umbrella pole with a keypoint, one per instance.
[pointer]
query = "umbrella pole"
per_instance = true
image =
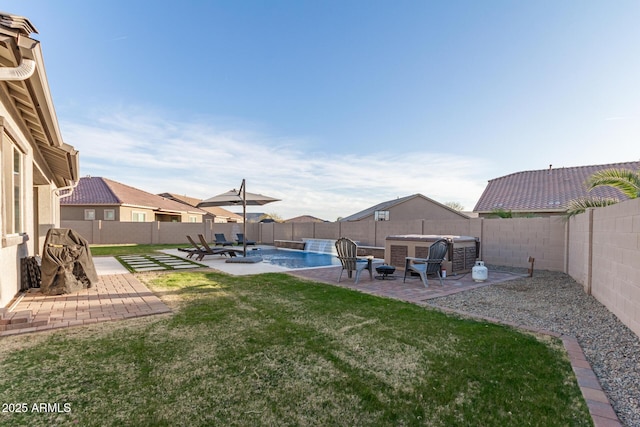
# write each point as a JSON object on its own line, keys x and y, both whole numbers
{"x": 244, "y": 218}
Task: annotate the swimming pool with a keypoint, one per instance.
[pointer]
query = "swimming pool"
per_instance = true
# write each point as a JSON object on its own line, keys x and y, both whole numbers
{"x": 297, "y": 259}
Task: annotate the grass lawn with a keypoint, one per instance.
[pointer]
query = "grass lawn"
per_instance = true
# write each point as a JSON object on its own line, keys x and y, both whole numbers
{"x": 274, "y": 350}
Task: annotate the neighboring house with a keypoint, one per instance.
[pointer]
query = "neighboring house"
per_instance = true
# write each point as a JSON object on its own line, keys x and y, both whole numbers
{"x": 37, "y": 167}
{"x": 254, "y": 216}
{"x": 214, "y": 213}
{"x": 97, "y": 198}
{"x": 304, "y": 218}
{"x": 411, "y": 207}
{"x": 544, "y": 192}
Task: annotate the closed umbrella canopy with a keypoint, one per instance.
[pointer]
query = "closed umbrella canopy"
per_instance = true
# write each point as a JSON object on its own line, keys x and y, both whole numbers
{"x": 239, "y": 197}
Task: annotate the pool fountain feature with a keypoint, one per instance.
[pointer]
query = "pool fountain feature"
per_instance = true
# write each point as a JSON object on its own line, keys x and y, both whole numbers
{"x": 322, "y": 246}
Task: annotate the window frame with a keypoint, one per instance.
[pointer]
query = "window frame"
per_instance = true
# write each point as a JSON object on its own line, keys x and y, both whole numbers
{"x": 17, "y": 191}
{"x": 381, "y": 215}
{"x": 10, "y": 144}
{"x": 138, "y": 214}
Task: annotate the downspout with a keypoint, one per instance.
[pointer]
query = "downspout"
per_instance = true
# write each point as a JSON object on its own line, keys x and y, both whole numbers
{"x": 68, "y": 188}
{"x": 69, "y": 191}
{"x": 22, "y": 72}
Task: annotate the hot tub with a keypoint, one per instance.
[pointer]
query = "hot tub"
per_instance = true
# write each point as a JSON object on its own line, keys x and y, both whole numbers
{"x": 461, "y": 257}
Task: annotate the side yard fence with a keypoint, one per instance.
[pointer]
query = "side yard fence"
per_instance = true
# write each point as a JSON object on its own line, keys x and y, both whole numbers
{"x": 600, "y": 249}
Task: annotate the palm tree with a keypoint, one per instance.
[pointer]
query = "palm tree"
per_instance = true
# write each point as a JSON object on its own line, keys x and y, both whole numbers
{"x": 501, "y": 213}
{"x": 625, "y": 180}
{"x": 579, "y": 205}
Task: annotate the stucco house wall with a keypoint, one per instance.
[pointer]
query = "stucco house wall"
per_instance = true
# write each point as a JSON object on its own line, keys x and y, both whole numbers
{"x": 418, "y": 208}
{"x": 36, "y": 165}
{"x": 77, "y": 213}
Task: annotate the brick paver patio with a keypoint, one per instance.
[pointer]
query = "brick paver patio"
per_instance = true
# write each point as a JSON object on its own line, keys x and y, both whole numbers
{"x": 412, "y": 290}
{"x": 114, "y": 297}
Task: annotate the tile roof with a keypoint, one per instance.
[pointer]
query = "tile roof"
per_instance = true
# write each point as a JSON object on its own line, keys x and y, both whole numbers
{"x": 193, "y": 201}
{"x": 545, "y": 190}
{"x": 93, "y": 190}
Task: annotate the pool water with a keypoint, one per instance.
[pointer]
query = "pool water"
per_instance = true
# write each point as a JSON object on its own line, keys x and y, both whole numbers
{"x": 297, "y": 259}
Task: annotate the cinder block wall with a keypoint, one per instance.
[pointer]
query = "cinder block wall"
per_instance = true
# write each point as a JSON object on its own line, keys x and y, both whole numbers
{"x": 361, "y": 231}
{"x": 326, "y": 230}
{"x": 511, "y": 242}
{"x": 600, "y": 249}
{"x": 579, "y": 253}
{"x": 615, "y": 260}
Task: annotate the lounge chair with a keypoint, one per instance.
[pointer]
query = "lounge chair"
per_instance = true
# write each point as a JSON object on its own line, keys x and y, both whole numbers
{"x": 217, "y": 251}
{"x": 221, "y": 240}
{"x": 241, "y": 241}
{"x": 193, "y": 250}
{"x": 347, "y": 254}
{"x": 431, "y": 265}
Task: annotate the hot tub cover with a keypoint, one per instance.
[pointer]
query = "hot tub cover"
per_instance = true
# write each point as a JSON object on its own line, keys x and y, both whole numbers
{"x": 67, "y": 265}
{"x": 431, "y": 237}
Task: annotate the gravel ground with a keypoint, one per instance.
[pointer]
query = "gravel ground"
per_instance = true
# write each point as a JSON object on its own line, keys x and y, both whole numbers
{"x": 555, "y": 302}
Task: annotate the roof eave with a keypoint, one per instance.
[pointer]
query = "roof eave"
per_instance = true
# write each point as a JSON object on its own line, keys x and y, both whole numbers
{"x": 32, "y": 99}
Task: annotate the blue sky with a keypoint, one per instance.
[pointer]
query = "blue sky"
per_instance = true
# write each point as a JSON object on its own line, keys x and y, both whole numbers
{"x": 334, "y": 106}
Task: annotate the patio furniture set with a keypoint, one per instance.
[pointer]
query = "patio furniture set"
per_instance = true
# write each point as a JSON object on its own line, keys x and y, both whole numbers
{"x": 348, "y": 255}
{"x": 347, "y": 251}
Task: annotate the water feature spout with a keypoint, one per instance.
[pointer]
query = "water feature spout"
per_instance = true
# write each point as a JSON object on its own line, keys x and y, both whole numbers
{"x": 322, "y": 246}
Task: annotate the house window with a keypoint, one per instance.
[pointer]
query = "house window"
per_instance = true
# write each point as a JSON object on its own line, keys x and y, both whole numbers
{"x": 17, "y": 191}
{"x": 89, "y": 214}
{"x": 109, "y": 214}
{"x": 193, "y": 218}
{"x": 138, "y": 216}
{"x": 381, "y": 215}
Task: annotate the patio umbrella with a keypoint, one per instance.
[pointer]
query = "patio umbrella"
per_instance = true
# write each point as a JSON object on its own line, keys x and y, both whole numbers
{"x": 239, "y": 197}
